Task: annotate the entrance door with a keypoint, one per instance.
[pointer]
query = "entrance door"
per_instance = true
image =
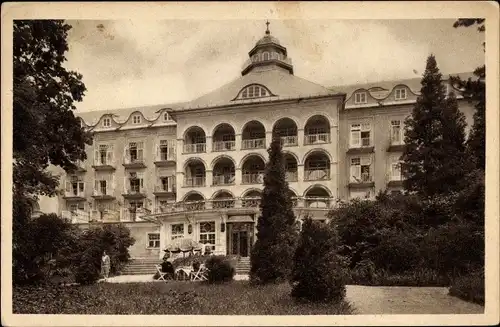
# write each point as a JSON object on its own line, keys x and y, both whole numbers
{"x": 240, "y": 243}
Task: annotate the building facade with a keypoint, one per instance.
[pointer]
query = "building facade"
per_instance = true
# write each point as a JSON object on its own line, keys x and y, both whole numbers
{"x": 195, "y": 169}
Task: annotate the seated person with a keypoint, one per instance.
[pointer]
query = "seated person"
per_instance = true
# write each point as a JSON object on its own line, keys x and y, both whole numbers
{"x": 168, "y": 268}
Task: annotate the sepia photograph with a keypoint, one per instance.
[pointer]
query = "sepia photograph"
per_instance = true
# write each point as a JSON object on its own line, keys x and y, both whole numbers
{"x": 276, "y": 164}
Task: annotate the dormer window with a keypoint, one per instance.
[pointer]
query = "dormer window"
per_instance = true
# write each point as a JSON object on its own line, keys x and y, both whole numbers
{"x": 400, "y": 94}
{"x": 360, "y": 97}
{"x": 136, "y": 119}
{"x": 254, "y": 91}
{"x": 106, "y": 122}
{"x": 166, "y": 117}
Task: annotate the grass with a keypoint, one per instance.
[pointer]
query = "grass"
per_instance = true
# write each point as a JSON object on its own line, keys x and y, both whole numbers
{"x": 235, "y": 298}
{"x": 469, "y": 288}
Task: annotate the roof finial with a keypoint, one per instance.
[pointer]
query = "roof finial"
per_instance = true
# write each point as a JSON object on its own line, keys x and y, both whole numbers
{"x": 267, "y": 29}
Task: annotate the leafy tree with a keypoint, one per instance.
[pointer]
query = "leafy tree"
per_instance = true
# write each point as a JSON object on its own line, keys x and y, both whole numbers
{"x": 319, "y": 273}
{"x": 272, "y": 255}
{"x": 434, "y": 159}
{"x": 474, "y": 89}
{"x": 45, "y": 130}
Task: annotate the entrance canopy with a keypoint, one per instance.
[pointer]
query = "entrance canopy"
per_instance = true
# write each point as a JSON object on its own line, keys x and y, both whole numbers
{"x": 240, "y": 219}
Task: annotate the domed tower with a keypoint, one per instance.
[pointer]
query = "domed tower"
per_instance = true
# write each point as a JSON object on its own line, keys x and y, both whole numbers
{"x": 268, "y": 53}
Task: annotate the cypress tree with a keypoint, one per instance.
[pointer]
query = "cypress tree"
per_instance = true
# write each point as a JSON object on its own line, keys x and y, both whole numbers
{"x": 434, "y": 160}
{"x": 272, "y": 255}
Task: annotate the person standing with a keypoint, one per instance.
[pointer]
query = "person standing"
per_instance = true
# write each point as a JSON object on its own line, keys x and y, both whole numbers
{"x": 105, "y": 265}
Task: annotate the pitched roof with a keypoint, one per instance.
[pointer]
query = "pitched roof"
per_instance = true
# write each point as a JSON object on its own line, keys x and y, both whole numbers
{"x": 282, "y": 84}
{"x": 387, "y": 86}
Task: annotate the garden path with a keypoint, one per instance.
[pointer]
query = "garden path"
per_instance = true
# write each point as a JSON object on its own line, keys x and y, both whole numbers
{"x": 379, "y": 299}
{"x": 407, "y": 300}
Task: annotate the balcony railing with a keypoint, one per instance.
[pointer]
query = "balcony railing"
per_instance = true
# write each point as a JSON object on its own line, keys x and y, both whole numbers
{"x": 316, "y": 174}
{"x": 291, "y": 176}
{"x": 77, "y": 216}
{"x": 106, "y": 162}
{"x": 224, "y": 179}
{"x": 195, "y": 148}
{"x": 252, "y": 178}
{"x": 223, "y": 145}
{"x": 130, "y": 160}
{"x": 134, "y": 215}
{"x": 253, "y": 144}
{"x": 317, "y": 202}
{"x": 74, "y": 194}
{"x": 222, "y": 203}
{"x": 134, "y": 190}
{"x": 289, "y": 140}
{"x": 165, "y": 188}
{"x": 103, "y": 192}
{"x": 365, "y": 141}
{"x": 364, "y": 178}
{"x": 250, "y": 202}
{"x": 194, "y": 181}
{"x": 317, "y": 138}
{"x": 166, "y": 156}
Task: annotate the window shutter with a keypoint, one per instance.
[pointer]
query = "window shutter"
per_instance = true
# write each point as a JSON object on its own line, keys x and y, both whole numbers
{"x": 96, "y": 157}
{"x": 156, "y": 151}
{"x": 141, "y": 178}
{"x": 127, "y": 154}
{"x": 355, "y": 173}
{"x": 125, "y": 184}
{"x": 81, "y": 186}
{"x": 96, "y": 185}
{"x": 110, "y": 154}
{"x": 171, "y": 148}
{"x": 140, "y": 150}
{"x": 355, "y": 138}
{"x": 68, "y": 186}
{"x": 113, "y": 184}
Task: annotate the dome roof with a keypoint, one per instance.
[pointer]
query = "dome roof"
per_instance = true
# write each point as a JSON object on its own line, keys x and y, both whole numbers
{"x": 268, "y": 38}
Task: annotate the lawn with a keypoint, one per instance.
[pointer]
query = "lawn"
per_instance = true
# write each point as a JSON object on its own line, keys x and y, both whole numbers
{"x": 235, "y": 298}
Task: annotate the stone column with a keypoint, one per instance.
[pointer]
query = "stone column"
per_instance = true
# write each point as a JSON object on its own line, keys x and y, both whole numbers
{"x": 237, "y": 141}
{"x": 300, "y": 136}
{"x": 238, "y": 176}
{"x": 208, "y": 141}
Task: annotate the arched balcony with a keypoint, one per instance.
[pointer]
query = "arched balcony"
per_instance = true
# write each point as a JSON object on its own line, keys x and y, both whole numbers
{"x": 253, "y": 136}
{"x": 291, "y": 172}
{"x": 317, "y": 197}
{"x": 317, "y": 130}
{"x": 223, "y": 200}
{"x": 317, "y": 167}
{"x": 195, "y": 140}
{"x": 253, "y": 170}
{"x": 194, "y": 175}
{"x": 251, "y": 199}
{"x": 286, "y": 129}
{"x": 194, "y": 201}
{"x": 223, "y": 138}
{"x": 223, "y": 171}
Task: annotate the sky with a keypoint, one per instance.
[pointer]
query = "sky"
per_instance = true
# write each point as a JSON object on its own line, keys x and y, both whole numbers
{"x": 127, "y": 63}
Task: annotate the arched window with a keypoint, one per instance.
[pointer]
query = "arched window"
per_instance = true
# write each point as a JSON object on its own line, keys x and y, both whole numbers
{"x": 265, "y": 56}
{"x": 253, "y": 91}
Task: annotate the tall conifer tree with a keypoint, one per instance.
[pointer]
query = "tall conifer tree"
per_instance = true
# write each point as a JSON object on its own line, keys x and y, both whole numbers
{"x": 272, "y": 255}
{"x": 434, "y": 159}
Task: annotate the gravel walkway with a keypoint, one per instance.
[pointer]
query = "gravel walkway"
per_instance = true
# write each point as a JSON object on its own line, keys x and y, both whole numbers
{"x": 379, "y": 299}
{"x": 407, "y": 300}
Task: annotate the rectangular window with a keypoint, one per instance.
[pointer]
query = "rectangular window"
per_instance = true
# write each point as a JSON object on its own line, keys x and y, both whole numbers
{"x": 360, "y": 97}
{"x": 355, "y": 135}
{"x": 106, "y": 122}
{"x": 153, "y": 240}
{"x": 400, "y": 94}
{"x": 207, "y": 233}
{"x": 136, "y": 182}
{"x": 396, "y": 132}
{"x": 166, "y": 117}
{"x": 177, "y": 231}
{"x": 102, "y": 187}
{"x": 164, "y": 183}
{"x": 395, "y": 169}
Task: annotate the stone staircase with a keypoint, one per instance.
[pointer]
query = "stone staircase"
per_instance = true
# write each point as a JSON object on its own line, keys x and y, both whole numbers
{"x": 141, "y": 266}
{"x": 243, "y": 266}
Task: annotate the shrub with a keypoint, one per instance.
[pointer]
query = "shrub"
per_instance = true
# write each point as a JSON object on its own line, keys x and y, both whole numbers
{"x": 318, "y": 273}
{"x": 190, "y": 260}
{"x": 88, "y": 269}
{"x": 469, "y": 287}
{"x": 219, "y": 269}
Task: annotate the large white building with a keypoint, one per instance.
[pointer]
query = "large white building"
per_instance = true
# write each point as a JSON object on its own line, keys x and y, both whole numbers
{"x": 195, "y": 169}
